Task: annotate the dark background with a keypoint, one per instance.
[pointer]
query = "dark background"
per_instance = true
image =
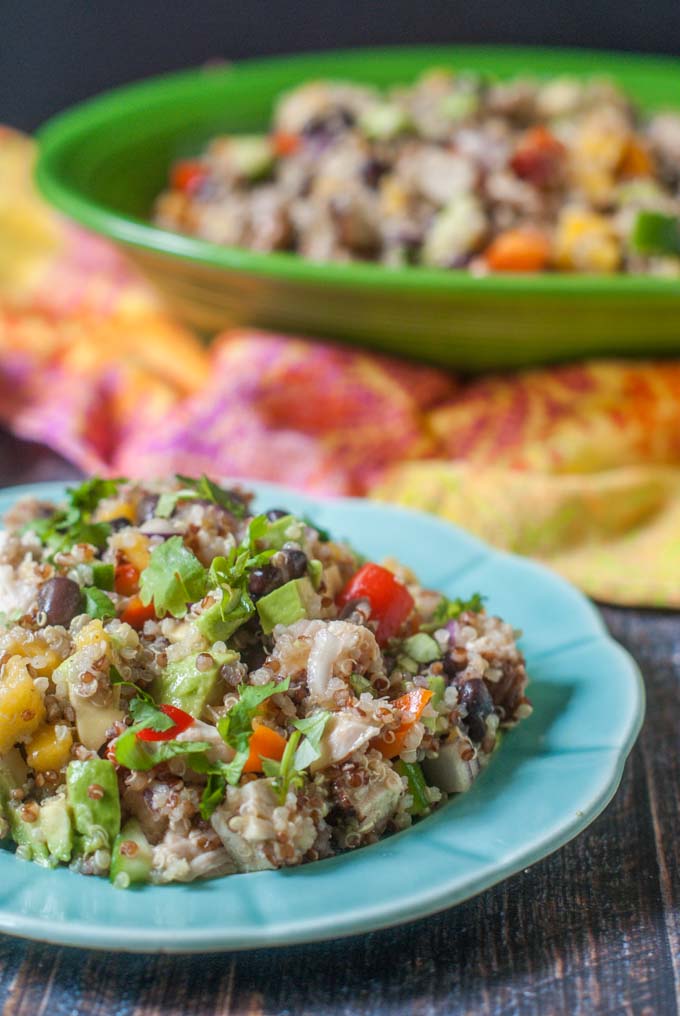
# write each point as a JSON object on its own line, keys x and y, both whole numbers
{"x": 55, "y": 52}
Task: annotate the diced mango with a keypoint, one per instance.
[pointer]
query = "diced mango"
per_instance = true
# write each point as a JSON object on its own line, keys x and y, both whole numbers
{"x": 134, "y": 547}
{"x": 43, "y": 658}
{"x": 49, "y": 748}
{"x": 116, "y": 510}
{"x": 586, "y": 242}
{"x": 22, "y": 709}
{"x": 90, "y": 634}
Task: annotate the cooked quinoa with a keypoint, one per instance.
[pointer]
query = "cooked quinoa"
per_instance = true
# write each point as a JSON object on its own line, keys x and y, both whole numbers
{"x": 454, "y": 171}
{"x": 189, "y": 690}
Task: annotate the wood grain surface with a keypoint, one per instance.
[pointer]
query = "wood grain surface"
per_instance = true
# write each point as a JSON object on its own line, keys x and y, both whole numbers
{"x": 593, "y": 929}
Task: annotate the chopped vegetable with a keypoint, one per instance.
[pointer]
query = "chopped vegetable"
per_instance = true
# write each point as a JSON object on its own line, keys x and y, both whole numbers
{"x": 417, "y": 786}
{"x": 97, "y": 603}
{"x": 519, "y": 250}
{"x": 126, "y": 580}
{"x": 391, "y": 602}
{"x": 71, "y": 525}
{"x": 188, "y": 175}
{"x": 411, "y": 705}
{"x": 103, "y": 575}
{"x": 264, "y": 743}
{"x": 422, "y": 648}
{"x": 284, "y": 773}
{"x": 174, "y": 579}
{"x": 136, "y": 614}
{"x": 313, "y": 728}
{"x": 654, "y": 233}
{"x": 180, "y": 720}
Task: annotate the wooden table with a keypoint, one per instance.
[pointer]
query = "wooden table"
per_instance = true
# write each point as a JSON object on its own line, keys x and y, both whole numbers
{"x": 593, "y": 929}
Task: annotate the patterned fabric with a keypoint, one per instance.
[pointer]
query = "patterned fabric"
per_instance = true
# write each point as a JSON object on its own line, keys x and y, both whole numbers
{"x": 578, "y": 466}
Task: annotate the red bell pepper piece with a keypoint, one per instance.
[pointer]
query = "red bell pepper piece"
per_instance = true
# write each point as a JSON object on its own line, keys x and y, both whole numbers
{"x": 391, "y": 602}
{"x": 187, "y": 175}
{"x": 180, "y": 719}
{"x": 126, "y": 579}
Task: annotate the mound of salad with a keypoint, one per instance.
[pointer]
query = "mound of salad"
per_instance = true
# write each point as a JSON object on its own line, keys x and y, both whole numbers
{"x": 190, "y": 690}
{"x": 456, "y": 170}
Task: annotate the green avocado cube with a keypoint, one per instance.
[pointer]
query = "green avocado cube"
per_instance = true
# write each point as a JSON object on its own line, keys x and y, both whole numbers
{"x": 285, "y": 605}
{"x": 280, "y": 531}
{"x": 132, "y": 856}
{"x": 92, "y": 788}
{"x": 219, "y": 622}
{"x": 183, "y": 685}
{"x": 422, "y": 648}
{"x": 28, "y": 836}
{"x": 57, "y": 827}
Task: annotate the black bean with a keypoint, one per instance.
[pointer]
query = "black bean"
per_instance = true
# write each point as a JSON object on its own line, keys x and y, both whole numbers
{"x": 475, "y": 695}
{"x": 117, "y": 524}
{"x": 263, "y": 580}
{"x": 372, "y": 172}
{"x": 276, "y": 513}
{"x": 296, "y": 563}
{"x": 60, "y": 600}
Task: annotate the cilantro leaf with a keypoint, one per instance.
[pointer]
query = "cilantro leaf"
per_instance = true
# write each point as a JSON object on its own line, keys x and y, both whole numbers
{"x": 143, "y": 755}
{"x": 213, "y": 794}
{"x": 173, "y": 578}
{"x": 148, "y": 716}
{"x": 71, "y": 525}
{"x": 313, "y": 728}
{"x": 285, "y": 773}
{"x": 236, "y": 728}
{"x": 204, "y": 488}
{"x": 449, "y": 610}
{"x": 97, "y": 603}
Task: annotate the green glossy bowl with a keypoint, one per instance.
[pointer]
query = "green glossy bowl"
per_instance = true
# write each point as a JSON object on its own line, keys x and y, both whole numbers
{"x": 104, "y": 162}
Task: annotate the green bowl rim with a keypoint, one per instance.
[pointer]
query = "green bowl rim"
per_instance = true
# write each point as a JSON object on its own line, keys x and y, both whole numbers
{"x": 67, "y": 128}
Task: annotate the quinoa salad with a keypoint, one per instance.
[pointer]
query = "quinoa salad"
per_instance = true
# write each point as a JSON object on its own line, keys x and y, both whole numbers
{"x": 190, "y": 690}
{"x": 455, "y": 171}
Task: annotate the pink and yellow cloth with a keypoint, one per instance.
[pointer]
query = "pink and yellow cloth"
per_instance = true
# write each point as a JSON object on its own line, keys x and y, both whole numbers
{"x": 578, "y": 466}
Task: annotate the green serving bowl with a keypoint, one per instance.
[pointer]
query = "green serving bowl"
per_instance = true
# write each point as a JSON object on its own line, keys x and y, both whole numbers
{"x": 104, "y": 162}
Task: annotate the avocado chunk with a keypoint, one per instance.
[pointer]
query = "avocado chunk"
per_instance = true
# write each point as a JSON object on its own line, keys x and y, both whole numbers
{"x": 251, "y": 155}
{"x": 28, "y": 836}
{"x": 132, "y": 856}
{"x": 57, "y": 828}
{"x": 219, "y": 622}
{"x": 286, "y": 604}
{"x": 280, "y": 531}
{"x": 183, "y": 685}
{"x": 13, "y": 773}
{"x": 384, "y": 121}
{"x": 92, "y": 788}
{"x": 92, "y": 721}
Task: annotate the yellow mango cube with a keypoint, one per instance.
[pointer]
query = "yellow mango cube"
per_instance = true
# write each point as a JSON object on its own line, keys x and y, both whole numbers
{"x": 110, "y": 510}
{"x": 43, "y": 658}
{"x": 22, "y": 709}
{"x": 586, "y": 242}
{"x": 49, "y": 748}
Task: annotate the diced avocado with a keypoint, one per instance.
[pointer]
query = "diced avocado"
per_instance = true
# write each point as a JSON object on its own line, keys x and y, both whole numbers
{"x": 286, "y": 604}
{"x": 315, "y": 569}
{"x": 92, "y": 720}
{"x": 384, "y": 121}
{"x": 278, "y": 532}
{"x": 422, "y": 648}
{"x": 219, "y": 622}
{"x": 406, "y": 663}
{"x": 13, "y": 773}
{"x": 251, "y": 155}
{"x": 102, "y": 575}
{"x": 183, "y": 685}
{"x": 57, "y": 827}
{"x": 95, "y": 804}
{"x": 132, "y": 856}
{"x": 28, "y": 836}
{"x": 460, "y": 105}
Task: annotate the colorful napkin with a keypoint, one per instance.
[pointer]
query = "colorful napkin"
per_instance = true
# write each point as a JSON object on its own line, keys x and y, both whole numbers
{"x": 578, "y": 466}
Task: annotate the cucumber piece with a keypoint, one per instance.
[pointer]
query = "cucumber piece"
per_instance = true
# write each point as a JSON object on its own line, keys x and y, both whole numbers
{"x": 132, "y": 856}
{"x": 96, "y": 818}
{"x": 422, "y": 648}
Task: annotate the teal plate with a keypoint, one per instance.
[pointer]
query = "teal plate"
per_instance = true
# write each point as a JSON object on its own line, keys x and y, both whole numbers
{"x": 104, "y": 162}
{"x": 551, "y": 777}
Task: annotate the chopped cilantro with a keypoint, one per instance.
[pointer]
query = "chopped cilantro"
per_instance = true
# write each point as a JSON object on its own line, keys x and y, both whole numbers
{"x": 360, "y": 684}
{"x": 449, "y": 610}
{"x": 285, "y": 774}
{"x": 143, "y": 755}
{"x": 201, "y": 488}
{"x": 102, "y": 575}
{"x": 71, "y": 525}
{"x": 312, "y": 727}
{"x": 97, "y": 603}
{"x": 173, "y": 578}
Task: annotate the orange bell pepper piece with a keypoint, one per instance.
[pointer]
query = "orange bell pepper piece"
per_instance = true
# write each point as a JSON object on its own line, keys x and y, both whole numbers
{"x": 518, "y": 250}
{"x": 135, "y": 614}
{"x": 126, "y": 579}
{"x": 411, "y": 705}
{"x": 264, "y": 743}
